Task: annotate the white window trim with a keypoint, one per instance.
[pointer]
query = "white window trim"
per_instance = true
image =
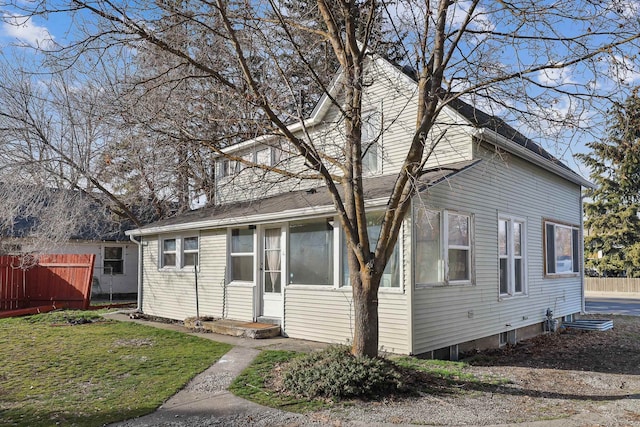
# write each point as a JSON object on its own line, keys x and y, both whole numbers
{"x": 444, "y": 250}
{"x": 179, "y": 252}
{"x": 335, "y": 225}
{"x": 184, "y": 251}
{"x": 510, "y": 219}
{"x": 162, "y": 252}
{"x": 231, "y": 254}
{"x": 556, "y": 225}
{"x": 446, "y": 247}
{"x": 377, "y": 140}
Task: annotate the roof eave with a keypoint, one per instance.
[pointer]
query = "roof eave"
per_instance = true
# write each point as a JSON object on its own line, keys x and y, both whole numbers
{"x": 505, "y": 143}
{"x": 249, "y": 219}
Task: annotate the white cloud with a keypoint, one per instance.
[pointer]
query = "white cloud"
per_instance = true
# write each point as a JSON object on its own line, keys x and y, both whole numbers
{"x": 480, "y": 19}
{"x": 26, "y": 32}
{"x": 556, "y": 77}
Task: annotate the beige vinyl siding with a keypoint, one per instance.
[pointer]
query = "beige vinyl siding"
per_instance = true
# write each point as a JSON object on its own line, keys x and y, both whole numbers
{"x": 388, "y": 92}
{"x": 171, "y": 293}
{"x": 327, "y": 315}
{"x": 501, "y": 184}
{"x": 239, "y": 302}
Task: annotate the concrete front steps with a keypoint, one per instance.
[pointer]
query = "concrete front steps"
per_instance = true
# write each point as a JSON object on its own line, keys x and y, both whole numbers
{"x": 234, "y": 328}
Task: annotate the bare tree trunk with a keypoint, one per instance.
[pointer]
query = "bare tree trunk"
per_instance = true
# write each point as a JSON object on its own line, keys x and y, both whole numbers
{"x": 365, "y": 301}
{"x": 364, "y": 284}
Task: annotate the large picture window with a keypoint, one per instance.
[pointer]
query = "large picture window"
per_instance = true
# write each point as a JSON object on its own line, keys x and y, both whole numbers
{"x": 311, "y": 252}
{"x": 241, "y": 255}
{"x": 511, "y": 260}
{"x": 391, "y": 274}
{"x": 443, "y": 247}
{"x": 562, "y": 249}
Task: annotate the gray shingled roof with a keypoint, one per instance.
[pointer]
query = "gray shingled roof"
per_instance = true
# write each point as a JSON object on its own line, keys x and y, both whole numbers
{"x": 374, "y": 188}
{"x": 480, "y": 119}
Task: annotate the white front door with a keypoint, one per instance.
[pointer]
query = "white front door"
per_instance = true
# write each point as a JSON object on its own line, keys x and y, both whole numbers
{"x": 272, "y": 272}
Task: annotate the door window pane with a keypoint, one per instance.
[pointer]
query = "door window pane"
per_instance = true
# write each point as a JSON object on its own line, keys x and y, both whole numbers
{"x": 272, "y": 260}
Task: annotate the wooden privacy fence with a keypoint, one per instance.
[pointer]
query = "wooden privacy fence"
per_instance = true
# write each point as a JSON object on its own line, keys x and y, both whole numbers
{"x": 61, "y": 280}
{"x": 611, "y": 284}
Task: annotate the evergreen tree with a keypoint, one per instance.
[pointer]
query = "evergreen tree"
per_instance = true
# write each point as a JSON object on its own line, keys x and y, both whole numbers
{"x": 612, "y": 243}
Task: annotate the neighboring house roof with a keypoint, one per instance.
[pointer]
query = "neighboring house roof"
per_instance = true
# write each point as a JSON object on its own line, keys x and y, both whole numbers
{"x": 99, "y": 224}
{"x": 295, "y": 203}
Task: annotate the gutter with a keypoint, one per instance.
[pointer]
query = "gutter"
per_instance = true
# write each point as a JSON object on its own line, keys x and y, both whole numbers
{"x": 140, "y": 261}
{"x": 494, "y": 137}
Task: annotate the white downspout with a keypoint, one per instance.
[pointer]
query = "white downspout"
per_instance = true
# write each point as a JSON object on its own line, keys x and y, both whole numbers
{"x": 140, "y": 261}
{"x": 581, "y": 253}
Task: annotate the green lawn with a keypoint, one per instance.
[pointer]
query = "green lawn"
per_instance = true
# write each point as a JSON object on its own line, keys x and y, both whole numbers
{"x": 52, "y": 372}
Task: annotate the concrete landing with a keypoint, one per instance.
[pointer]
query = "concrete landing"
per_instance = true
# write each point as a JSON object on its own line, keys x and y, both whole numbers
{"x": 234, "y": 328}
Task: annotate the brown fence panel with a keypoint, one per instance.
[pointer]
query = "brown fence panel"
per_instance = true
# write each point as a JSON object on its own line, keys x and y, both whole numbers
{"x": 12, "y": 286}
{"x": 61, "y": 279}
{"x": 612, "y": 284}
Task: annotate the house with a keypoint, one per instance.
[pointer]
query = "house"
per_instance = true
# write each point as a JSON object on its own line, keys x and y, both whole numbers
{"x": 115, "y": 272}
{"x": 492, "y": 244}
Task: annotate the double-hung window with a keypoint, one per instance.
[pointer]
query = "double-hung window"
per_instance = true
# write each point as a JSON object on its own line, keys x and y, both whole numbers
{"x": 176, "y": 252}
{"x": 458, "y": 247}
{"x": 562, "y": 249}
{"x": 190, "y": 252}
{"x": 169, "y": 253}
{"x": 113, "y": 261}
{"x": 443, "y": 247}
{"x": 241, "y": 255}
{"x": 511, "y": 258}
{"x": 371, "y": 124}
